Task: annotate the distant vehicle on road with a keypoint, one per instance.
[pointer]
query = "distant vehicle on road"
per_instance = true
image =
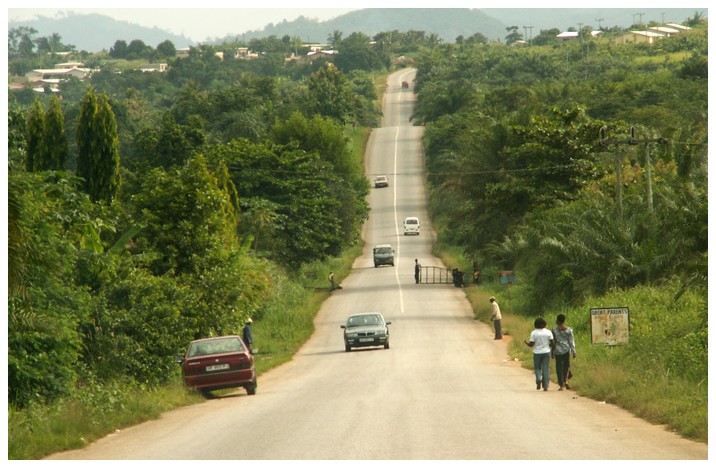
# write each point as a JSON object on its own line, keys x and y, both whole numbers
{"x": 411, "y": 226}
{"x": 405, "y": 85}
{"x": 383, "y": 254}
{"x": 220, "y": 362}
{"x": 366, "y": 329}
{"x": 380, "y": 181}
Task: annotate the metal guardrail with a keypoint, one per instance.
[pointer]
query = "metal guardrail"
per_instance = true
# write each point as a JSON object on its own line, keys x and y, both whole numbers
{"x": 435, "y": 275}
{"x": 440, "y": 275}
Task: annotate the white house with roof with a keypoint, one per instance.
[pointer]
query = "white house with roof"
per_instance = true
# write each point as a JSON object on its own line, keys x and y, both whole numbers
{"x": 665, "y": 30}
{"x": 318, "y": 53}
{"x": 70, "y": 65}
{"x": 638, "y": 37}
{"x": 47, "y": 74}
{"x": 575, "y": 34}
{"x": 678, "y": 26}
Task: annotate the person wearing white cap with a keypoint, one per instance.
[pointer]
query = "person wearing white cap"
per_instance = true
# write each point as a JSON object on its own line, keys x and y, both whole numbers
{"x": 496, "y": 318}
{"x": 248, "y": 338}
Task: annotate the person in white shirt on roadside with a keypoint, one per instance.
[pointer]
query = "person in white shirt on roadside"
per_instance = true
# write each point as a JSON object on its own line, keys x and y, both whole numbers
{"x": 541, "y": 341}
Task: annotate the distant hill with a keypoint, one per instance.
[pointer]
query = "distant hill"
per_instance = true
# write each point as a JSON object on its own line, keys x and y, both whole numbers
{"x": 447, "y": 23}
{"x": 94, "y": 32}
{"x": 595, "y": 18}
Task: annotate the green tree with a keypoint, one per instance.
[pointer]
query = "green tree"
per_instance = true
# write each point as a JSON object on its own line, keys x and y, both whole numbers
{"x": 55, "y": 139}
{"x": 172, "y": 144}
{"x": 300, "y": 199}
{"x": 35, "y": 136}
{"x": 166, "y": 49}
{"x": 356, "y": 53}
{"x": 334, "y": 39}
{"x": 97, "y": 147}
{"x": 513, "y": 35}
{"x": 328, "y": 93}
{"x": 137, "y": 49}
{"x": 184, "y": 210}
{"x": 48, "y": 219}
{"x": 119, "y": 49}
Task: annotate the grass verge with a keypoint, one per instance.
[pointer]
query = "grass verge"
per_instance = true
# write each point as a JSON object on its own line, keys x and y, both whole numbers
{"x": 661, "y": 376}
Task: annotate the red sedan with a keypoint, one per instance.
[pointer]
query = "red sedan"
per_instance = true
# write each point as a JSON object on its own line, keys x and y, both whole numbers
{"x": 215, "y": 363}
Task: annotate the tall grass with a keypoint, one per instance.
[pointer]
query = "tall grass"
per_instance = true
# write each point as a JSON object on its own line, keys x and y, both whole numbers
{"x": 94, "y": 411}
{"x": 660, "y": 376}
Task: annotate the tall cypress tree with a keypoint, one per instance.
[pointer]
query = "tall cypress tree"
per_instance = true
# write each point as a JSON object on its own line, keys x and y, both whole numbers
{"x": 55, "y": 142}
{"x": 98, "y": 147}
{"x": 35, "y": 132}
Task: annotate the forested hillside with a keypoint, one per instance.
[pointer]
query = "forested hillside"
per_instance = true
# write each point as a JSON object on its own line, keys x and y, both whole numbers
{"x": 149, "y": 209}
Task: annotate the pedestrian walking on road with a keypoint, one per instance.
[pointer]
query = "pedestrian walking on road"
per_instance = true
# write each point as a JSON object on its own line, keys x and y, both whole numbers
{"x": 563, "y": 347}
{"x": 496, "y": 318}
{"x": 541, "y": 341}
{"x": 417, "y": 271}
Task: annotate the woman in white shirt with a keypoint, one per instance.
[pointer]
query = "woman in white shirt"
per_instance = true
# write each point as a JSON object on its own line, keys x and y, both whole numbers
{"x": 541, "y": 341}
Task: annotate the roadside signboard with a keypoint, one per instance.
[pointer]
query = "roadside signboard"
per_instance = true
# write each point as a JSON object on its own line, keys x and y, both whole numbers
{"x": 507, "y": 277}
{"x": 610, "y": 325}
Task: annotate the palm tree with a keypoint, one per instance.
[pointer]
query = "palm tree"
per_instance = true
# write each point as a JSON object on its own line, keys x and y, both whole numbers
{"x": 335, "y": 38}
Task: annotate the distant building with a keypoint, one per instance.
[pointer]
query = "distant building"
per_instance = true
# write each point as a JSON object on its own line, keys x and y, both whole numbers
{"x": 649, "y": 36}
{"x": 664, "y": 30}
{"x": 46, "y": 75}
{"x": 321, "y": 53}
{"x": 68, "y": 65}
{"x": 575, "y": 34}
{"x": 680, "y": 27}
{"x": 155, "y": 67}
{"x": 243, "y": 53}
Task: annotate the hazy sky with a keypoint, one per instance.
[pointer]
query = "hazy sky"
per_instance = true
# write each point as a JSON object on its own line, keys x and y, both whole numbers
{"x": 218, "y": 18}
{"x": 214, "y": 19}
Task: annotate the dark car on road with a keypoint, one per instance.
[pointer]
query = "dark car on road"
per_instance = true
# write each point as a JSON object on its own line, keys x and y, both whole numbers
{"x": 366, "y": 329}
{"x": 216, "y": 363}
{"x": 383, "y": 254}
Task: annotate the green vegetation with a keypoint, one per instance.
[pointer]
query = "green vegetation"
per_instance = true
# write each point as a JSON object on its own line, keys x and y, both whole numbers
{"x": 149, "y": 209}
{"x": 180, "y": 205}
{"x": 661, "y": 375}
{"x": 513, "y": 144}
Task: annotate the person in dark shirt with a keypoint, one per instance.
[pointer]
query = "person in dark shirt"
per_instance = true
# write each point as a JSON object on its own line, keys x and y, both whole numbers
{"x": 248, "y": 338}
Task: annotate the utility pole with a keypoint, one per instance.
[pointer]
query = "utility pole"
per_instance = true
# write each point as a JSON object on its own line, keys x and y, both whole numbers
{"x": 631, "y": 141}
{"x": 647, "y": 163}
{"x": 640, "y": 15}
{"x": 618, "y": 163}
{"x": 599, "y": 22}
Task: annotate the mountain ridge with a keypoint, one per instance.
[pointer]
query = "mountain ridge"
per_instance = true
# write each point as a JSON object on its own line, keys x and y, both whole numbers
{"x": 96, "y": 32}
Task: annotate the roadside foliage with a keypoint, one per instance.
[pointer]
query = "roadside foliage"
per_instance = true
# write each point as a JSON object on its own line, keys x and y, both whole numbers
{"x": 582, "y": 167}
{"x": 146, "y": 210}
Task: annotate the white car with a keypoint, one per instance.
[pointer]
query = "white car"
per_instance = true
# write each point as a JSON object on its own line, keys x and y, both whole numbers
{"x": 380, "y": 181}
{"x": 411, "y": 226}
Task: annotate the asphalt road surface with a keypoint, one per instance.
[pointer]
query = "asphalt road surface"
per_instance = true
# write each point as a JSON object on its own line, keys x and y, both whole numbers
{"x": 445, "y": 390}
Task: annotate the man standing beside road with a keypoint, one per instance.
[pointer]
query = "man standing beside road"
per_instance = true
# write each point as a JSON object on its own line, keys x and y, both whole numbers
{"x": 496, "y": 318}
{"x": 417, "y": 271}
{"x": 248, "y": 338}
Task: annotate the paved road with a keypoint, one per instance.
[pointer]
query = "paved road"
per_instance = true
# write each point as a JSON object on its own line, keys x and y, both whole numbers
{"x": 444, "y": 390}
